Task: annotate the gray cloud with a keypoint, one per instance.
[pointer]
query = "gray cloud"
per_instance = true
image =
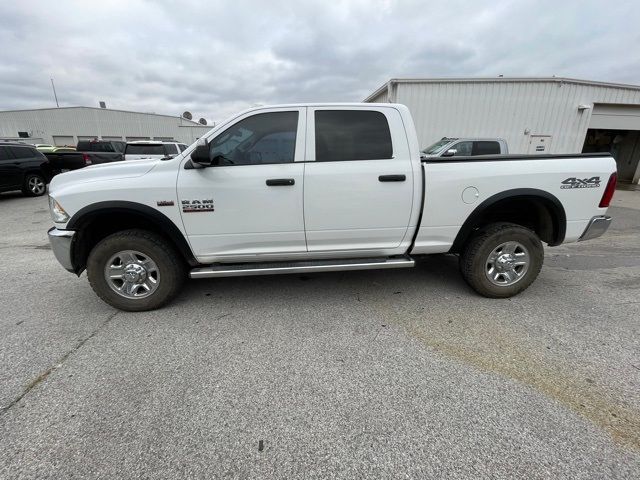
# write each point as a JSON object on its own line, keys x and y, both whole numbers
{"x": 214, "y": 58}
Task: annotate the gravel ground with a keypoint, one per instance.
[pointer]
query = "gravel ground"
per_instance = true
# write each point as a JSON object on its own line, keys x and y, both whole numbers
{"x": 388, "y": 374}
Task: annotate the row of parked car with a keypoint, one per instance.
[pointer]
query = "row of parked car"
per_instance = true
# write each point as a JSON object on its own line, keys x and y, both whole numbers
{"x": 30, "y": 168}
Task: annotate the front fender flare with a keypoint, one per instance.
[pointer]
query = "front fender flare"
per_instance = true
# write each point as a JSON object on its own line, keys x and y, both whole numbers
{"x": 164, "y": 223}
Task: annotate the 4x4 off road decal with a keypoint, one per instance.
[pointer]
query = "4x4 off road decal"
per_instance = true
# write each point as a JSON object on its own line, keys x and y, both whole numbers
{"x": 189, "y": 206}
{"x": 574, "y": 182}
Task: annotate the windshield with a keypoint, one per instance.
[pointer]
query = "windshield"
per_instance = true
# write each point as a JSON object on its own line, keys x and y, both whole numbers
{"x": 433, "y": 149}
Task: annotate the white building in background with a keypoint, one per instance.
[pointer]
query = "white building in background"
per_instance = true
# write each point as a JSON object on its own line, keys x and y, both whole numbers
{"x": 68, "y": 125}
{"x": 534, "y": 115}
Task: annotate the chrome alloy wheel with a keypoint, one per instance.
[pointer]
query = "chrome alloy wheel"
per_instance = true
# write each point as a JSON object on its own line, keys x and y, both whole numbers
{"x": 507, "y": 264}
{"x": 36, "y": 185}
{"x": 132, "y": 274}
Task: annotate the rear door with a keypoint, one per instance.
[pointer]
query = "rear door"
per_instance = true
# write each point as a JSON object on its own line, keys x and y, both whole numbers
{"x": 358, "y": 187}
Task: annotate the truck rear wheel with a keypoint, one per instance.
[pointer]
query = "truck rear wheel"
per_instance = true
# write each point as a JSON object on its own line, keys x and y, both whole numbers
{"x": 502, "y": 260}
{"x": 135, "y": 270}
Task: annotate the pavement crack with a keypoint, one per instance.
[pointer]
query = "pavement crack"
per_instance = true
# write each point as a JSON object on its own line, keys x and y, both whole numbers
{"x": 382, "y": 327}
{"x": 43, "y": 376}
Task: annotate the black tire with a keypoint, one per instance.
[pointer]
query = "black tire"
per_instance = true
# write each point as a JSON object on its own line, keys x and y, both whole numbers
{"x": 474, "y": 261}
{"x": 170, "y": 269}
{"x": 34, "y": 185}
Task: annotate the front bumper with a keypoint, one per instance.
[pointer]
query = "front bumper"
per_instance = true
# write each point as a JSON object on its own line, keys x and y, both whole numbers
{"x": 597, "y": 226}
{"x": 60, "y": 241}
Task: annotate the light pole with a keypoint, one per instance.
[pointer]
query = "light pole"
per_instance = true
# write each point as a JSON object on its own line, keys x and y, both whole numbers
{"x": 54, "y": 93}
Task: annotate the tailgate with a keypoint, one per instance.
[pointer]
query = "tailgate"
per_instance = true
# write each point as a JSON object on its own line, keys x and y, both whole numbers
{"x": 64, "y": 161}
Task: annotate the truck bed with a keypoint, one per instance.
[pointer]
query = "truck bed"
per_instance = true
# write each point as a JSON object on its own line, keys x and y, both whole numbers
{"x": 464, "y": 185}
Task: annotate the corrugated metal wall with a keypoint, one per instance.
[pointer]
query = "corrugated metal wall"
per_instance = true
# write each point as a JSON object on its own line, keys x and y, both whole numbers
{"x": 506, "y": 109}
{"x": 94, "y": 122}
{"x": 382, "y": 97}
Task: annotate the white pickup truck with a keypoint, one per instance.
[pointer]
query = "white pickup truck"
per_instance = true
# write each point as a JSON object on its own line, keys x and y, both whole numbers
{"x": 319, "y": 187}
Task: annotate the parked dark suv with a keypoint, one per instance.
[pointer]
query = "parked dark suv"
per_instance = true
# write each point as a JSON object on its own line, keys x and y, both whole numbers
{"x": 22, "y": 167}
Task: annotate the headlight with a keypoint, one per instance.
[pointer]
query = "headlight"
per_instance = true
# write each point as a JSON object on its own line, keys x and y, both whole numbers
{"x": 57, "y": 212}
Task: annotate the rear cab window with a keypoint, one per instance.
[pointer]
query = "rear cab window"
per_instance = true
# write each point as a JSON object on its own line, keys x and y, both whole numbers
{"x": 145, "y": 149}
{"x": 103, "y": 147}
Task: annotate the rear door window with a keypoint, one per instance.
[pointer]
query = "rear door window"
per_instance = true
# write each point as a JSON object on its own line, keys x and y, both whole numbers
{"x": 4, "y": 153}
{"x": 343, "y": 135}
{"x": 486, "y": 148}
{"x": 22, "y": 152}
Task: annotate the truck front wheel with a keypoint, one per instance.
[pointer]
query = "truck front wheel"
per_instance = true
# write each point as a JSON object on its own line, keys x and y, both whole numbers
{"x": 502, "y": 260}
{"x": 135, "y": 270}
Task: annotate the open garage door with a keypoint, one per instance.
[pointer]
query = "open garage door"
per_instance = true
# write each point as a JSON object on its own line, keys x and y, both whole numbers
{"x": 616, "y": 129}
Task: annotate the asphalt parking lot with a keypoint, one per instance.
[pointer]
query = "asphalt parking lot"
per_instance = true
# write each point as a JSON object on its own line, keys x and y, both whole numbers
{"x": 388, "y": 374}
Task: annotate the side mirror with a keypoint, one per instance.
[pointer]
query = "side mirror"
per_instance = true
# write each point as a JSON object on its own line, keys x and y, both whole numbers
{"x": 450, "y": 153}
{"x": 201, "y": 154}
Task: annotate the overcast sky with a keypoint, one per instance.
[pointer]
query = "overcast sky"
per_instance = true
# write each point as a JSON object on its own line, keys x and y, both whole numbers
{"x": 215, "y": 57}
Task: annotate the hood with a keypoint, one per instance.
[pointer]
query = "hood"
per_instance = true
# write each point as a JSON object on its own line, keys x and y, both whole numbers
{"x": 103, "y": 171}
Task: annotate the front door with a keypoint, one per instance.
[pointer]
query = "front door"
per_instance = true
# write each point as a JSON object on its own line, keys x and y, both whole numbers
{"x": 248, "y": 207}
{"x": 358, "y": 184}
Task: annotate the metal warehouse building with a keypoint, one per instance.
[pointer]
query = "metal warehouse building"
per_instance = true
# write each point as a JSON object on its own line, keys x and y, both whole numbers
{"x": 534, "y": 115}
{"x": 68, "y": 125}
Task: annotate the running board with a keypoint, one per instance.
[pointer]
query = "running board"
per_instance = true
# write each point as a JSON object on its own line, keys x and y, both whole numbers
{"x": 277, "y": 268}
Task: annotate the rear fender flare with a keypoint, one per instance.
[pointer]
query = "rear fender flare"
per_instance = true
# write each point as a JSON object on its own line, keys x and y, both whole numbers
{"x": 549, "y": 200}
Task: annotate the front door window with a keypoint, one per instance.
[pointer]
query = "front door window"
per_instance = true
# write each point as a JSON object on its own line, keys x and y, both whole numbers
{"x": 265, "y": 138}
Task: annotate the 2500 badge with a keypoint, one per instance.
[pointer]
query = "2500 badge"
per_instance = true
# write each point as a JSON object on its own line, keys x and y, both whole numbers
{"x": 574, "y": 182}
{"x": 189, "y": 206}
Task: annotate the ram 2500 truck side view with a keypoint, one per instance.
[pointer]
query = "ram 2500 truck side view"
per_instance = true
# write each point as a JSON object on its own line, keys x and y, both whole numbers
{"x": 319, "y": 187}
